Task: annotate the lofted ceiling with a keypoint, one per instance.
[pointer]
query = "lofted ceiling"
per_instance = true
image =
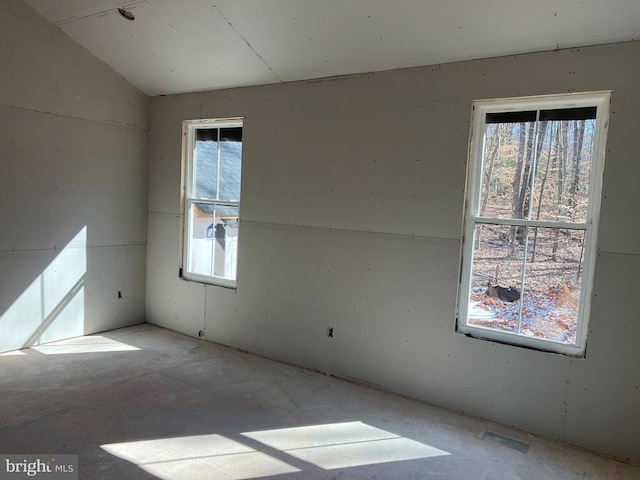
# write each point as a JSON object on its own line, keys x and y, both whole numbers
{"x": 177, "y": 46}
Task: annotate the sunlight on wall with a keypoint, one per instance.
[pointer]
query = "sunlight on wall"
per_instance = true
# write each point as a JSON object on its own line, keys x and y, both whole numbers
{"x": 187, "y": 457}
{"x": 341, "y": 445}
{"x": 52, "y": 306}
{"x": 329, "y": 446}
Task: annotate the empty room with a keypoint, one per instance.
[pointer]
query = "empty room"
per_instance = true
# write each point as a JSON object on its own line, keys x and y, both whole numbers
{"x": 318, "y": 239}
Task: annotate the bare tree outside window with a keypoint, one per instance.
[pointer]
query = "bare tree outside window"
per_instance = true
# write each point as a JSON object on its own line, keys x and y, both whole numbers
{"x": 533, "y": 198}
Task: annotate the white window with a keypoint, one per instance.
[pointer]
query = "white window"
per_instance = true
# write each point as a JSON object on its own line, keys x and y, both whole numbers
{"x": 531, "y": 218}
{"x": 212, "y": 166}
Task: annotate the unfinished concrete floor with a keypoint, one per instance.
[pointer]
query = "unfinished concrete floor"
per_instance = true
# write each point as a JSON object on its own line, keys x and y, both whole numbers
{"x": 144, "y": 402}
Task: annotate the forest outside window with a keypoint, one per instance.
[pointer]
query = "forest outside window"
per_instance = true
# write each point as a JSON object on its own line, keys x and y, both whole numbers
{"x": 212, "y": 166}
{"x": 531, "y": 218}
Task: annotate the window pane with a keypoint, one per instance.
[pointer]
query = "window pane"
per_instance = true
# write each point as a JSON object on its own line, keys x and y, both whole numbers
{"x": 205, "y": 169}
{"x": 225, "y": 239}
{"x": 579, "y": 113}
{"x": 496, "y": 277}
{"x": 214, "y": 240}
{"x": 212, "y": 193}
{"x": 511, "y": 117}
{"x": 507, "y": 169}
{"x": 561, "y": 190}
{"x": 230, "y": 163}
{"x": 551, "y": 296}
{"x": 532, "y": 163}
{"x": 200, "y": 241}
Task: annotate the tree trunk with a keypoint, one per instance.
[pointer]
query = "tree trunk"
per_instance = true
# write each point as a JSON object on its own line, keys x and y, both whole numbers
{"x": 492, "y": 151}
{"x": 493, "y": 145}
{"x": 562, "y": 169}
{"x": 525, "y": 184}
{"x": 543, "y": 183}
{"x": 517, "y": 177}
{"x": 578, "y": 139}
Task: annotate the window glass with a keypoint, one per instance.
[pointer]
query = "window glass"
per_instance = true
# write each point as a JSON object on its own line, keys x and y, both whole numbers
{"x": 533, "y": 195}
{"x": 213, "y": 166}
{"x": 230, "y": 163}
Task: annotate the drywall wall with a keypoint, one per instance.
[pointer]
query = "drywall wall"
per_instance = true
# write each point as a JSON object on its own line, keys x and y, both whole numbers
{"x": 351, "y": 217}
{"x": 73, "y": 187}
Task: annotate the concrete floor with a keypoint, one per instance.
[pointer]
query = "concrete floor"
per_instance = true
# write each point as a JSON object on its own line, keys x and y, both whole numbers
{"x": 144, "y": 402}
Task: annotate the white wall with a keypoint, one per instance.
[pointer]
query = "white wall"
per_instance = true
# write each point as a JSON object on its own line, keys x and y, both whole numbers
{"x": 73, "y": 187}
{"x": 351, "y": 214}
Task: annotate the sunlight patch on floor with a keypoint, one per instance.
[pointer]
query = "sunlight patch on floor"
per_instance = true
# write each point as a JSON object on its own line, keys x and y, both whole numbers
{"x": 88, "y": 344}
{"x": 199, "y": 456}
{"x": 341, "y": 445}
{"x": 330, "y": 446}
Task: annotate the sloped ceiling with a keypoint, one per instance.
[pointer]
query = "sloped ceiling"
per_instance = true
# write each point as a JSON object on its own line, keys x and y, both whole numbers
{"x": 177, "y": 46}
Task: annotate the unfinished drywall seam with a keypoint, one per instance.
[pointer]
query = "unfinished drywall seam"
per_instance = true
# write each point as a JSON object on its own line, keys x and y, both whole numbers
{"x": 349, "y": 230}
{"x": 217, "y": 9}
{"x": 56, "y": 247}
{"x": 608, "y": 252}
{"x": 203, "y": 332}
{"x": 566, "y": 398}
{"x": 112, "y": 123}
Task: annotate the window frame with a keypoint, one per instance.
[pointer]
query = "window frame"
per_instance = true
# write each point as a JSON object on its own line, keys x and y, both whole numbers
{"x": 471, "y": 218}
{"x": 189, "y": 129}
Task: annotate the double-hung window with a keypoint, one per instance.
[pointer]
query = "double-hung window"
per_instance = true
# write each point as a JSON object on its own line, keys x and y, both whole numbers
{"x": 531, "y": 218}
{"x": 212, "y": 166}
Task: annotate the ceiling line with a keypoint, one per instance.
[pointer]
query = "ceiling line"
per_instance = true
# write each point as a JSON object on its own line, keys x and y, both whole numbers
{"x": 215, "y": 7}
{"x": 97, "y": 13}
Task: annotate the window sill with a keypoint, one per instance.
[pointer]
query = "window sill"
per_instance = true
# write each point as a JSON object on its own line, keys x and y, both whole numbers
{"x": 522, "y": 341}
{"x": 208, "y": 280}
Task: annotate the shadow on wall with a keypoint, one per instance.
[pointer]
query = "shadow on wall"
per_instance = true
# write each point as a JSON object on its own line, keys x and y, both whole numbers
{"x": 52, "y": 306}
